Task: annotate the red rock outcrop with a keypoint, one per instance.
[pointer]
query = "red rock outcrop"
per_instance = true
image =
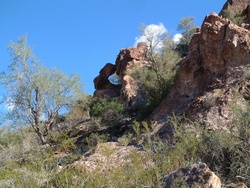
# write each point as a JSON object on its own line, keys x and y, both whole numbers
{"x": 126, "y": 58}
{"x": 128, "y": 91}
{"x": 218, "y": 61}
{"x": 101, "y": 81}
{"x": 104, "y": 88}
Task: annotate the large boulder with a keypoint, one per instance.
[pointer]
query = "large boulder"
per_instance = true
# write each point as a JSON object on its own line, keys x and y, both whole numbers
{"x": 197, "y": 175}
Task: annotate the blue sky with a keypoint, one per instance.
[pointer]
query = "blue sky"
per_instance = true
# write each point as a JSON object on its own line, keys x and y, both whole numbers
{"x": 81, "y": 36}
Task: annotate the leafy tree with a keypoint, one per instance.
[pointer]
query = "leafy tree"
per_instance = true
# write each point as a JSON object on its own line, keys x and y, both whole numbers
{"x": 153, "y": 35}
{"x": 158, "y": 78}
{"x": 36, "y": 94}
{"x": 187, "y": 28}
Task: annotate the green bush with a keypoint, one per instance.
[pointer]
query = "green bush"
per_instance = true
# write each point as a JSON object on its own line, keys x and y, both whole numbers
{"x": 94, "y": 139}
{"x": 226, "y": 152}
{"x": 79, "y": 111}
{"x": 62, "y": 141}
{"x": 71, "y": 177}
{"x": 108, "y": 110}
{"x": 233, "y": 14}
{"x": 156, "y": 79}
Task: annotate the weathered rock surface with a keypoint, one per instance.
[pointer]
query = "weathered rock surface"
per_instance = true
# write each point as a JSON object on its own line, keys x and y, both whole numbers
{"x": 218, "y": 61}
{"x": 129, "y": 92}
{"x": 101, "y": 81}
{"x": 128, "y": 57}
{"x": 104, "y": 88}
{"x": 198, "y": 174}
{"x": 215, "y": 72}
{"x": 107, "y": 156}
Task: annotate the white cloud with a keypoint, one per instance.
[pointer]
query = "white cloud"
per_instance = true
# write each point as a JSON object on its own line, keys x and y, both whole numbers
{"x": 152, "y": 34}
{"x": 177, "y": 37}
{"x": 140, "y": 39}
{"x": 9, "y": 106}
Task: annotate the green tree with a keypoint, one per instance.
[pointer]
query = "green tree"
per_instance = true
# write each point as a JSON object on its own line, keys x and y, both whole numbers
{"x": 153, "y": 35}
{"x": 158, "y": 78}
{"x": 36, "y": 94}
{"x": 187, "y": 29}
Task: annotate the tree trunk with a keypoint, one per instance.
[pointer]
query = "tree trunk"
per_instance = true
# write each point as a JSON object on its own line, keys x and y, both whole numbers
{"x": 42, "y": 139}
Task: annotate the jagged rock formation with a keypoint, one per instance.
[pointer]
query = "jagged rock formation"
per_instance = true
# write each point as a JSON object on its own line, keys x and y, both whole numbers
{"x": 197, "y": 175}
{"x": 129, "y": 56}
{"x": 103, "y": 87}
{"x": 218, "y": 61}
{"x": 128, "y": 91}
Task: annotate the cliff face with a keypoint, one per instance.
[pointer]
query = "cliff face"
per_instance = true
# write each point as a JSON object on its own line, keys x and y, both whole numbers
{"x": 218, "y": 62}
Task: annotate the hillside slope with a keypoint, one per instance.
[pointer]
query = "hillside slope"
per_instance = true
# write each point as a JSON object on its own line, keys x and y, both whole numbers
{"x": 217, "y": 64}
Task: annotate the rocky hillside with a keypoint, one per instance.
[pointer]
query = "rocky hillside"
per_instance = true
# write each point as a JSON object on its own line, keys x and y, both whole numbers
{"x": 198, "y": 136}
{"x": 218, "y": 64}
{"x": 213, "y": 77}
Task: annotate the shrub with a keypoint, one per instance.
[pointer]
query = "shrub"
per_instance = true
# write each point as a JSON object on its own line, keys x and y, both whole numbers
{"x": 22, "y": 159}
{"x": 62, "y": 141}
{"x": 233, "y": 14}
{"x": 108, "y": 110}
{"x": 79, "y": 111}
{"x": 156, "y": 79}
{"x": 94, "y": 139}
{"x": 226, "y": 152}
{"x": 125, "y": 140}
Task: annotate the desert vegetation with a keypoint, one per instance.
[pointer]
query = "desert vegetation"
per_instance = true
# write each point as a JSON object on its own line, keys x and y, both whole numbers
{"x": 55, "y": 135}
{"x": 30, "y": 164}
{"x": 233, "y": 14}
